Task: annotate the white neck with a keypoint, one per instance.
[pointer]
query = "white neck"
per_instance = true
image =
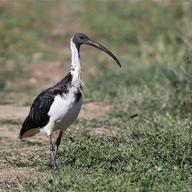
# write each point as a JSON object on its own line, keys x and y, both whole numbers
{"x": 75, "y": 65}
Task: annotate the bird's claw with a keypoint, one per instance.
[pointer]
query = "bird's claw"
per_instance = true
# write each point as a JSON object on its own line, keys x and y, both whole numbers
{"x": 53, "y": 165}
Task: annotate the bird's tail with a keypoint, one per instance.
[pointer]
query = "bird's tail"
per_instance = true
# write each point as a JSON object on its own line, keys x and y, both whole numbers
{"x": 27, "y": 129}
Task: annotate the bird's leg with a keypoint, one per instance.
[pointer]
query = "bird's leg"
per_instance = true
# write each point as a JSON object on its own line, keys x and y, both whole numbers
{"x": 53, "y": 152}
{"x": 58, "y": 141}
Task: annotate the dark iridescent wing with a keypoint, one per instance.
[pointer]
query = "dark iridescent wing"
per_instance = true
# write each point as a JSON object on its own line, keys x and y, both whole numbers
{"x": 38, "y": 116}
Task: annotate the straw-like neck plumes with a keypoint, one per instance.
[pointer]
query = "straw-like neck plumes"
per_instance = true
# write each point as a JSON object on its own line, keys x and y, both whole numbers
{"x": 75, "y": 65}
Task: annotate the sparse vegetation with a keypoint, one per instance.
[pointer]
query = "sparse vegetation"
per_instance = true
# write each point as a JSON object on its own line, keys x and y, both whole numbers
{"x": 149, "y": 145}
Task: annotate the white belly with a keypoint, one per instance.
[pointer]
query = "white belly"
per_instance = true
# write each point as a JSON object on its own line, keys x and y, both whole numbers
{"x": 69, "y": 117}
{"x": 63, "y": 112}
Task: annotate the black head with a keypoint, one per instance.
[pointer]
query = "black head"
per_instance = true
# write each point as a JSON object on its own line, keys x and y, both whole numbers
{"x": 80, "y": 39}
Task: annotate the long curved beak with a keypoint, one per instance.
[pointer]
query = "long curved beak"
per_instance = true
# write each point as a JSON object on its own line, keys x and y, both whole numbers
{"x": 102, "y": 48}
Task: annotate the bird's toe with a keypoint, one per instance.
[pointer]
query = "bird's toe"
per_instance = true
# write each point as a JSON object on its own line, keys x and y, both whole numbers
{"x": 53, "y": 165}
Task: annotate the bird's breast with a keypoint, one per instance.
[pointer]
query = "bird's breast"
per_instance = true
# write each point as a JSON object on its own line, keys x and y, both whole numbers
{"x": 65, "y": 109}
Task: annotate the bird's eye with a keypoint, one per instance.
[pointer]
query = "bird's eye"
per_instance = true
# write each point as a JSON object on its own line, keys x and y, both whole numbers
{"x": 81, "y": 37}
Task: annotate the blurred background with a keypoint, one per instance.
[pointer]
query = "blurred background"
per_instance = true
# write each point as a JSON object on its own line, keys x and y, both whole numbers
{"x": 148, "y": 101}
{"x": 35, "y": 53}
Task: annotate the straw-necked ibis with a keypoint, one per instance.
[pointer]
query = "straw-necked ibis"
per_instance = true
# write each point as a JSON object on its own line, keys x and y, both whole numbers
{"x": 57, "y": 107}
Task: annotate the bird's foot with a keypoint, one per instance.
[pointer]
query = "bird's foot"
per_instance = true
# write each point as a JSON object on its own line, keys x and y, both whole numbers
{"x": 53, "y": 165}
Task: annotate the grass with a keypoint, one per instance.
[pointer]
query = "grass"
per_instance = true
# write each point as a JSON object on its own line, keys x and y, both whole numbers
{"x": 142, "y": 159}
{"x": 23, "y": 34}
{"x": 149, "y": 148}
{"x": 139, "y": 30}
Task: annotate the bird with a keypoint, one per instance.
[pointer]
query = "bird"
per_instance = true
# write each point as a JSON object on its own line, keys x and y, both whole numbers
{"x": 57, "y": 107}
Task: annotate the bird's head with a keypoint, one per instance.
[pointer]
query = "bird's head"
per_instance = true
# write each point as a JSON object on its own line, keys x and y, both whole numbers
{"x": 80, "y": 39}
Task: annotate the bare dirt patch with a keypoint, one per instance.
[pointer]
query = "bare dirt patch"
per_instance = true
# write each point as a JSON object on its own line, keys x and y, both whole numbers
{"x": 11, "y": 112}
{"x": 12, "y": 174}
{"x": 99, "y": 131}
{"x": 11, "y": 118}
{"x": 9, "y": 133}
{"x": 18, "y": 113}
{"x": 95, "y": 110}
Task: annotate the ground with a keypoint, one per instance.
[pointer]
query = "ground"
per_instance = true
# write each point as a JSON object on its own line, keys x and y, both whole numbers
{"x": 10, "y": 126}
